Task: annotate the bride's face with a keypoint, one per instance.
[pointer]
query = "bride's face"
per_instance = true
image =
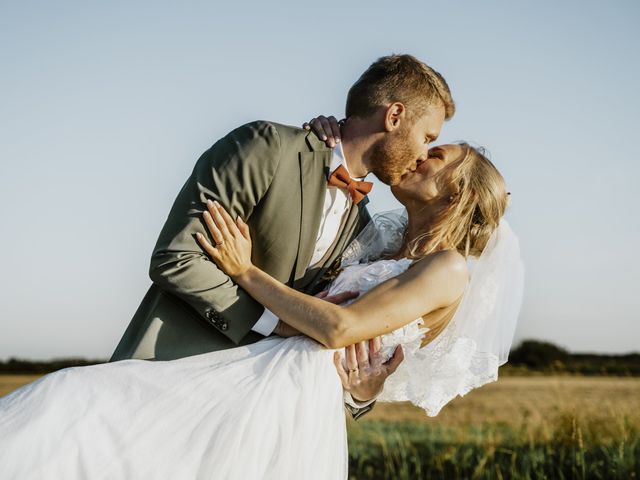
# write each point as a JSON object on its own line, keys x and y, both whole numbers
{"x": 425, "y": 182}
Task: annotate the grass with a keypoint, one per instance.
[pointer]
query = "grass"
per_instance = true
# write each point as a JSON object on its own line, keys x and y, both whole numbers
{"x": 8, "y": 383}
{"x": 518, "y": 428}
{"x": 533, "y": 427}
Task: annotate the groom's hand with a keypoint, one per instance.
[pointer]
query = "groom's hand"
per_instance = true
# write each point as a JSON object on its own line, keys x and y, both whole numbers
{"x": 285, "y": 330}
{"x": 363, "y": 374}
{"x": 338, "y": 299}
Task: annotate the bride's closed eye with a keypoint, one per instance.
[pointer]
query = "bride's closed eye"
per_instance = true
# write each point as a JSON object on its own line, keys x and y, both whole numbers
{"x": 436, "y": 152}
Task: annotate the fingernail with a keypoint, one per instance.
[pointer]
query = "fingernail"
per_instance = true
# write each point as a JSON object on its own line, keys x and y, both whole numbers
{"x": 337, "y": 140}
{"x": 323, "y": 138}
{"x": 209, "y": 202}
{"x": 216, "y": 204}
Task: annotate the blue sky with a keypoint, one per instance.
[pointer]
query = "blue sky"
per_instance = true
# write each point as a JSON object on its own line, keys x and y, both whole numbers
{"x": 106, "y": 106}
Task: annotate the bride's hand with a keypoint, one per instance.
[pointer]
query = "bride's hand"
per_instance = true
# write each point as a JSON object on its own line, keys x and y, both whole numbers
{"x": 326, "y": 129}
{"x": 232, "y": 250}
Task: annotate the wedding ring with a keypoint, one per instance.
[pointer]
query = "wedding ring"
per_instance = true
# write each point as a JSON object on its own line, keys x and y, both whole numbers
{"x": 220, "y": 243}
{"x": 351, "y": 370}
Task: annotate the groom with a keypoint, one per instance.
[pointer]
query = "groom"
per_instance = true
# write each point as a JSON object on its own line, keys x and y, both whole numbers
{"x": 303, "y": 202}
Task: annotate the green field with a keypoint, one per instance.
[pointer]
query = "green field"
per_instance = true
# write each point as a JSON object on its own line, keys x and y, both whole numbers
{"x": 529, "y": 427}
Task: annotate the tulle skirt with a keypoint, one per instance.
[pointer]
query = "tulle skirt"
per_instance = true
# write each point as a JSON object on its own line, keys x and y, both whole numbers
{"x": 272, "y": 409}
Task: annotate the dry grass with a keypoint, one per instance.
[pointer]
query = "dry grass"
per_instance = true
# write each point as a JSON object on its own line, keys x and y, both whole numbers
{"x": 8, "y": 383}
{"x": 534, "y": 404}
{"x": 517, "y": 428}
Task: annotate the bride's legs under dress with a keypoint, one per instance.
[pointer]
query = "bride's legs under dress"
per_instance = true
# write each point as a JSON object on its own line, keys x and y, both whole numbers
{"x": 268, "y": 410}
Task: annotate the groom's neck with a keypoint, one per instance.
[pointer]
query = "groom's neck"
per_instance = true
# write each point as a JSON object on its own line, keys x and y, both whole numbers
{"x": 357, "y": 141}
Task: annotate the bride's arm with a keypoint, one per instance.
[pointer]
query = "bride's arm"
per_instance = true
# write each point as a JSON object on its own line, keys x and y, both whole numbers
{"x": 434, "y": 282}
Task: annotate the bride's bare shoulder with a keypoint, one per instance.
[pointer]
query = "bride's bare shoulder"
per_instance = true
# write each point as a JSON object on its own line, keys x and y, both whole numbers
{"x": 447, "y": 269}
{"x": 449, "y": 260}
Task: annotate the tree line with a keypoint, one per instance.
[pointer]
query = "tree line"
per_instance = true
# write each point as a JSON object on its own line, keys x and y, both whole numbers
{"x": 529, "y": 355}
{"x": 546, "y": 357}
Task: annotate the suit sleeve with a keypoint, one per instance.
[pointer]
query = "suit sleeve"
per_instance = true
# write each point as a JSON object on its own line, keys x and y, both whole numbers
{"x": 356, "y": 413}
{"x": 237, "y": 172}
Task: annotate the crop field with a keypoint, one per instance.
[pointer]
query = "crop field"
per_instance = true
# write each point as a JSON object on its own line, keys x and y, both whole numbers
{"x": 526, "y": 427}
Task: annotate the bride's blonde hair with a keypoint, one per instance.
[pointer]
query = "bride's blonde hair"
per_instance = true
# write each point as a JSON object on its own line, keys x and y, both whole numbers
{"x": 476, "y": 197}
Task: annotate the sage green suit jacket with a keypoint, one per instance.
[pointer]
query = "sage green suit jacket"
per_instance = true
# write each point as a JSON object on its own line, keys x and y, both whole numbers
{"x": 273, "y": 176}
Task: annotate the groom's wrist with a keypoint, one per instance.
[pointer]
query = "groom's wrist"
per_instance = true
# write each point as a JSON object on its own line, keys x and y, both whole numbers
{"x": 277, "y": 330}
{"x": 349, "y": 399}
{"x": 371, "y": 397}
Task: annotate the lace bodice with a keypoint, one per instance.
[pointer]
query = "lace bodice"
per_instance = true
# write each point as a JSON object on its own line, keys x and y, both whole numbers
{"x": 362, "y": 278}
{"x": 431, "y": 376}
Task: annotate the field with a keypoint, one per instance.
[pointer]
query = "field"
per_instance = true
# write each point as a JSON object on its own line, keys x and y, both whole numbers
{"x": 520, "y": 427}
{"x": 8, "y": 383}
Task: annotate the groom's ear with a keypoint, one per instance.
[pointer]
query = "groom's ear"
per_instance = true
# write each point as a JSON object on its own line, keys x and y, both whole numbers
{"x": 395, "y": 114}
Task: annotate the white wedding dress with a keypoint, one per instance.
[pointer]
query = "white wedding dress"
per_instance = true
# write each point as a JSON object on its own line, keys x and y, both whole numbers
{"x": 273, "y": 409}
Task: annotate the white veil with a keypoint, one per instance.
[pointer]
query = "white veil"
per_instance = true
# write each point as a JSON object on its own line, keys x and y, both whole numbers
{"x": 476, "y": 341}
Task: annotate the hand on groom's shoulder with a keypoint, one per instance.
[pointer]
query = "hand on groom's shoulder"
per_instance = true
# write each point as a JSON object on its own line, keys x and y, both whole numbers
{"x": 272, "y": 135}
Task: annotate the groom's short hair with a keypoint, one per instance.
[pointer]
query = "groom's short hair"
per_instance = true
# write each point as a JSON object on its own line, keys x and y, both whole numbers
{"x": 399, "y": 78}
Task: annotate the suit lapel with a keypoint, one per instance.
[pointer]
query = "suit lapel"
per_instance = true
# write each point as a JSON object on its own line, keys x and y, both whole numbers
{"x": 314, "y": 168}
{"x": 314, "y": 171}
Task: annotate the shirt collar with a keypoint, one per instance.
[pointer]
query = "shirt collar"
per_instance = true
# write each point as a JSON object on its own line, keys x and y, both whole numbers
{"x": 337, "y": 159}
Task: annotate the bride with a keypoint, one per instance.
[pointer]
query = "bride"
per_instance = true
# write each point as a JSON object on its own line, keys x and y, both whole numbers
{"x": 443, "y": 279}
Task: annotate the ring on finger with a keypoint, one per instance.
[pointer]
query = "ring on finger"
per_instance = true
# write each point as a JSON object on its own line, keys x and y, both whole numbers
{"x": 220, "y": 243}
{"x": 351, "y": 370}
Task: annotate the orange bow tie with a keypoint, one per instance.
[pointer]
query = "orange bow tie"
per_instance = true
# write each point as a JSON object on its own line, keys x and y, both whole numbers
{"x": 357, "y": 190}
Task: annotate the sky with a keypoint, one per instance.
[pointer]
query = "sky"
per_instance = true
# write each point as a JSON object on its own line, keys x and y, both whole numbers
{"x": 106, "y": 106}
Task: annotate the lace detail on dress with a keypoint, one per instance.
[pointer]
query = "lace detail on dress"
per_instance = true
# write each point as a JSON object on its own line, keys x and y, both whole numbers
{"x": 380, "y": 238}
{"x": 431, "y": 376}
{"x": 468, "y": 352}
{"x": 365, "y": 276}
{"x": 362, "y": 278}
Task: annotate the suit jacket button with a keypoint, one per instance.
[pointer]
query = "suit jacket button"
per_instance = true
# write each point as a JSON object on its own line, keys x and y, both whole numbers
{"x": 224, "y": 326}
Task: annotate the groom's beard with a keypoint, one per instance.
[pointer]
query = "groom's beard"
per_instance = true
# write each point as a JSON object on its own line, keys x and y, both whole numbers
{"x": 391, "y": 157}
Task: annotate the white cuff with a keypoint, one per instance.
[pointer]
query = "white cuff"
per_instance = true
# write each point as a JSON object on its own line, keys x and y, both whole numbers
{"x": 349, "y": 400}
{"x": 266, "y": 324}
